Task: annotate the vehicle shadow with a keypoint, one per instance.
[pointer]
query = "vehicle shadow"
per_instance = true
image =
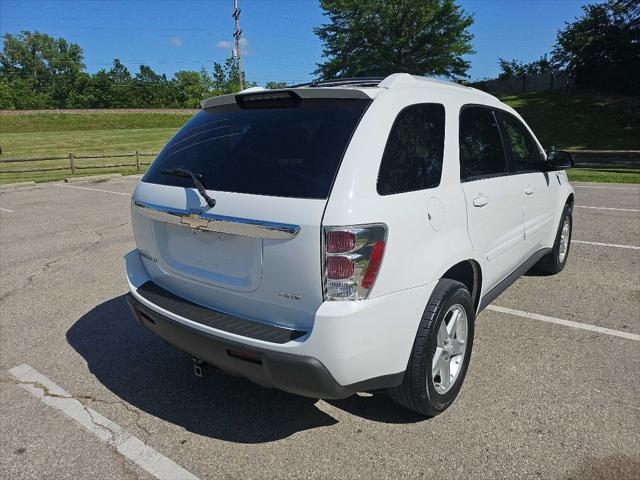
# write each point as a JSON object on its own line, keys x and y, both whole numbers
{"x": 151, "y": 375}
{"x": 377, "y": 407}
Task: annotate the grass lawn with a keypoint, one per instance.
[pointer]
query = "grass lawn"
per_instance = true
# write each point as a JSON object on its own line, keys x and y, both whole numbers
{"x": 579, "y": 120}
{"x": 55, "y": 134}
{"x": 604, "y": 175}
{"x": 61, "y": 122}
{"x": 47, "y": 143}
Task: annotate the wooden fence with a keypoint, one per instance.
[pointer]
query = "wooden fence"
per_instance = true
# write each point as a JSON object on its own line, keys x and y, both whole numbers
{"x": 584, "y": 158}
{"x": 73, "y": 167}
{"x": 535, "y": 82}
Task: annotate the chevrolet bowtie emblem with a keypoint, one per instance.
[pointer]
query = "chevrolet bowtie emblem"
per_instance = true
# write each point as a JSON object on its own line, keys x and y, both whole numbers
{"x": 194, "y": 221}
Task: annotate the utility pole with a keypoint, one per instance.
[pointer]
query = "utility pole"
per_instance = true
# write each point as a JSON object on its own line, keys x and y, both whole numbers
{"x": 237, "y": 34}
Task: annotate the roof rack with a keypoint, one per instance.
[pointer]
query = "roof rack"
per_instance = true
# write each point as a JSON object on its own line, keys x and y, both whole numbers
{"x": 335, "y": 82}
{"x": 393, "y": 81}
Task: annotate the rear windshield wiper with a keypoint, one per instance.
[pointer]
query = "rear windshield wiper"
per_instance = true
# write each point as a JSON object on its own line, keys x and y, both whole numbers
{"x": 181, "y": 172}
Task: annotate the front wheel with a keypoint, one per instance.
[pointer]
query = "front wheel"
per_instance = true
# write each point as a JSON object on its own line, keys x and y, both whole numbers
{"x": 441, "y": 351}
{"x": 555, "y": 260}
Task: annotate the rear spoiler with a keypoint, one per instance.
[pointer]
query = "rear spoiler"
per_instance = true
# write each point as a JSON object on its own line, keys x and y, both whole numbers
{"x": 285, "y": 93}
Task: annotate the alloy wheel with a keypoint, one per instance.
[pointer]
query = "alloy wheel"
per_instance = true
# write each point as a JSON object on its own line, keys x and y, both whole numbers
{"x": 451, "y": 346}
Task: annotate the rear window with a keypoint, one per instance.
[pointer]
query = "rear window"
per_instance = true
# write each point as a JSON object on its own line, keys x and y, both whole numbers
{"x": 286, "y": 152}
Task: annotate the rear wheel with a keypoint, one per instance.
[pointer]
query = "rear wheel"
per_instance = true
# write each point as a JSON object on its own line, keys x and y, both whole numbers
{"x": 441, "y": 351}
{"x": 555, "y": 261}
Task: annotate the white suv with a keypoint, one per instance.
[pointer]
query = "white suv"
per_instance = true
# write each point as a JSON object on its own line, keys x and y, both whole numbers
{"x": 342, "y": 236}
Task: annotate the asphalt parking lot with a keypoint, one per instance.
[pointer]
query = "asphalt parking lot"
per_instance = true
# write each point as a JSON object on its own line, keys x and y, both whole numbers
{"x": 553, "y": 389}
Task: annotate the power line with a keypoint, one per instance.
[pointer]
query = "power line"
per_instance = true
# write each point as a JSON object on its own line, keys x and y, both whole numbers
{"x": 120, "y": 27}
{"x": 69, "y": 30}
{"x": 290, "y": 19}
{"x": 134, "y": 80}
{"x": 282, "y": 64}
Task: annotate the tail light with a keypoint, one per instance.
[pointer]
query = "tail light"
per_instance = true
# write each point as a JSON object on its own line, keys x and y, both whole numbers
{"x": 352, "y": 259}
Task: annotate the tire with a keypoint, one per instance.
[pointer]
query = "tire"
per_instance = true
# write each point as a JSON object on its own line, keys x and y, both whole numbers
{"x": 418, "y": 390}
{"x": 554, "y": 262}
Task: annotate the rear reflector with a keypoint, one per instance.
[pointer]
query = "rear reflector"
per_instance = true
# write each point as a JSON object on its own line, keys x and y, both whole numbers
{"x": 246, "y": 356}
{"x": 374, "y": 264}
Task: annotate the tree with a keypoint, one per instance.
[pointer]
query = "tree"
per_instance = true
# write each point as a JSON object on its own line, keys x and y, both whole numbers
{"x": 119, "y": 85}
{"x": 226, "y": 77}
{"x": 190, "y": 88}
{"x": 272, "y": 85}
{"x": 516, "y": 68}
{"x": 378, "y": 37}
{"x": 6, "y": 97}
{"x": 149, "y": 88}
{"x": 40, "y": 69}
{"x": 601, "y": 49}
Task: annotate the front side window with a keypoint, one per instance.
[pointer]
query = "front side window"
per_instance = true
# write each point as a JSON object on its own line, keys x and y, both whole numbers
{"x": 412, "y": 158}
{"x": 521, "y": 149}
{"x": 285, "y": 151}
{"x": 481, "y": 152}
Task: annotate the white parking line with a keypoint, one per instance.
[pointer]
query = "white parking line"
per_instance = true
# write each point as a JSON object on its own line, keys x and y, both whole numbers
{"x": 6, "y": 210}
{"x": 631, "y": 247}
{"x": 609, "y": 208}
{"x": 108, "y": 432}
{"x": 566, "y": 323}
{"x": 607, "y": 188}
{"x": 93, "y": 189}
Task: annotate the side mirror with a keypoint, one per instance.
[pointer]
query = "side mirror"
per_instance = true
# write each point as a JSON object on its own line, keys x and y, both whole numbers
{"x": 559, "y": 160}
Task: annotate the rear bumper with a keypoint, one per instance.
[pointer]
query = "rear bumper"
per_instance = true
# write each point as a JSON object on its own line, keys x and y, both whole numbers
{"x": 297, "y": 374}
{"x": 353, "y": 346}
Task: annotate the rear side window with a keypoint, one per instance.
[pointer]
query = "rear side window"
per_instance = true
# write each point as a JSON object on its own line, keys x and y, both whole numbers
{"x": 481, "y": 151}
{"x": 285, "y": 151}
{"x": 412, "y": 158}
{"x": 521, "y": 149}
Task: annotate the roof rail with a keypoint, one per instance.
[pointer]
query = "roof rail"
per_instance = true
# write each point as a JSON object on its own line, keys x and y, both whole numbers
{"x": 335, "y": 82}
{"x": 397, "y": 80}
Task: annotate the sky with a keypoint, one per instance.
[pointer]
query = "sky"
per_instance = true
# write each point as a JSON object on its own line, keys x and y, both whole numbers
{"x": 278, "y": 39}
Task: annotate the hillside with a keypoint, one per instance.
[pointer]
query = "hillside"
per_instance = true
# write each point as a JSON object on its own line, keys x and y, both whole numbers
{"x": 40, "y": 134}
{"x": 580, "y": 120}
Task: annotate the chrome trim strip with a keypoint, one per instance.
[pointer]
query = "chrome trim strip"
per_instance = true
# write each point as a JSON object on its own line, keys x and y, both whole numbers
{"x": 197, "y": 220}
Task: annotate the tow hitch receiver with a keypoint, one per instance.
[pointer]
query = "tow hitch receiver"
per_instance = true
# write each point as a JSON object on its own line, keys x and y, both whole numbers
{"x": 198, "y": 367}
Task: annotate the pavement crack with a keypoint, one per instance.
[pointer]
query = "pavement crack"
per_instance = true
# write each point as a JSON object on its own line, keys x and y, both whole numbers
{"x": 113, "y": 434}
{"x": 45, "y": 390}
{"x": 137, "y": 414}
{"x": 29, "y": 280}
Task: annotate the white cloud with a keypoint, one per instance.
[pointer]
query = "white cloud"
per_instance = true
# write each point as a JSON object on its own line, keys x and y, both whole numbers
{"x": 231, "y": 45}
{"x": 175, "y": 41}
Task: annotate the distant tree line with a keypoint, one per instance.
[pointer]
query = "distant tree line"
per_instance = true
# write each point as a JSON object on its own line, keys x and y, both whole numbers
{"x": 39, "y": 71}
{"x": 600, "y": 49}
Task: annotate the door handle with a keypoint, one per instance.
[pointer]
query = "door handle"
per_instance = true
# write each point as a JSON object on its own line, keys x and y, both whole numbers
{"x": 528, "y": 190}
{"x": 480, "y": 201}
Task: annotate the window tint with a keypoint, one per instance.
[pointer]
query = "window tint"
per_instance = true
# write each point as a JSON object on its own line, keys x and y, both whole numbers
{"x": 521, "y": 150}
{"x": 289, "y": 151}
{"x": 481, "y": 151}
{"x": 412, "y": 158}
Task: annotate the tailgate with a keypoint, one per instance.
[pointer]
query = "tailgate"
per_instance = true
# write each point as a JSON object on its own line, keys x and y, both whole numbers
{"x": 269, "y": 272}
{"x": 257, "y": 252}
